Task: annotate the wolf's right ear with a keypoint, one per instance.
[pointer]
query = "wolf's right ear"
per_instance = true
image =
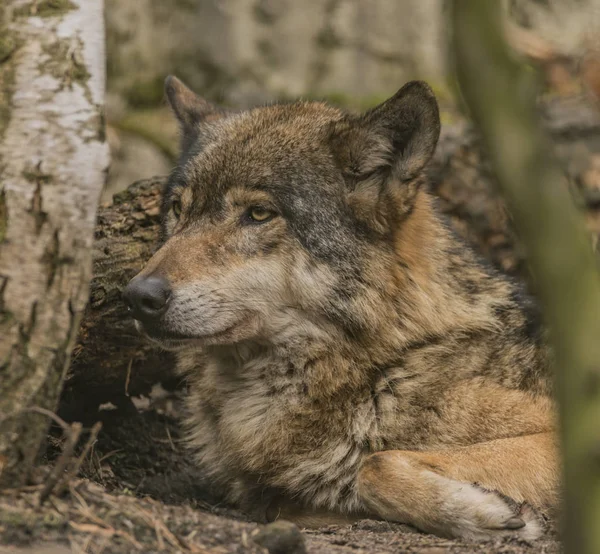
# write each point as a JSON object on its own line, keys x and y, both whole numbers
{"x": 409, "y": 124}
{"x": 190, "y": 109}
{"x": 387, "y": 148}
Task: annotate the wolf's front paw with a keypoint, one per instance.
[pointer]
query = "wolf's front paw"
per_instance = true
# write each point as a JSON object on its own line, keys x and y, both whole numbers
{"x": 395, "y": 487}
{"x": 475, "y": 514}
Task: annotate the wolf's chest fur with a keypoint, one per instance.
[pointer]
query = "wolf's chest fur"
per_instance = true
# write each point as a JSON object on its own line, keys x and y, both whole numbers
{"x": 258, "y": 423}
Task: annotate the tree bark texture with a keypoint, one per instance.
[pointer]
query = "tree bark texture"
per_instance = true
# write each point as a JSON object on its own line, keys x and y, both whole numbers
{"x": 112, "y": 360}
{"x": 53, "y": 161}
{"x": 501, "y": 95}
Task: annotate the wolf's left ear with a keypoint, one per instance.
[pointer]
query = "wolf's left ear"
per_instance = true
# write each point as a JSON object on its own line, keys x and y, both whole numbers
{"x": 410, "y": 121}
{"x": 393, "y": 140}
{"x": 190, "y": 109}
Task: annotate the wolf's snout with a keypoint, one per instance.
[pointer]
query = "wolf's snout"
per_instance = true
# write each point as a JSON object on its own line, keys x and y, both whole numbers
{"x": 147, "y": 297}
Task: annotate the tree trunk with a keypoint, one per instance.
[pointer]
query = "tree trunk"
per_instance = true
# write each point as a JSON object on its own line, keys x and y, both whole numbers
{"x": 501, "y": 96}
{"x": 53, "y": 162}
{"x": 111, "y": 361}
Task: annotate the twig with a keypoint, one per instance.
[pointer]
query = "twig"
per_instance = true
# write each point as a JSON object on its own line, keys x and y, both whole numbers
{"x": 76, "y": 465}
{"x": 26, "y": 488}
{"x": 59, "y": 509}
{"x": 75, "y": 494}
{"x": 85, "y": 511}
{"x": 101, "y": 546}
{"x": 128, "y": 377}
{"x": 110, "y": 532}
{"x": 65, "y": 458}
{"x": 77, "y": 548}
{"x": 170, "y": 439}
{"x": 174, "y": 540}
{"x": 67, "y": 431}
{"x": 108, "y": 455}
{"x": 43, "y": 411}
{"x": 159, "y": 539}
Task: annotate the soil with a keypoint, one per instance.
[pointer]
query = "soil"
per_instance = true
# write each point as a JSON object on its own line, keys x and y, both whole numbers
{"x": 138, "y": 491}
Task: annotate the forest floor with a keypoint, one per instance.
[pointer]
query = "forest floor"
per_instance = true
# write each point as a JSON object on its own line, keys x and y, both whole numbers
{"x": 141, "y": 493}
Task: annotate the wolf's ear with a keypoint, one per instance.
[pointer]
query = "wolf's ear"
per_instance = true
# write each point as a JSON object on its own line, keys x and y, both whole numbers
{"x": 190, "y": 109}
{"x": 410, "y": 123}
{"x": 391, "y": 142}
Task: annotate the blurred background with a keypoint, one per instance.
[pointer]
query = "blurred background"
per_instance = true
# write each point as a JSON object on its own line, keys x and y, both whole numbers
{"x": 354, "y": 53}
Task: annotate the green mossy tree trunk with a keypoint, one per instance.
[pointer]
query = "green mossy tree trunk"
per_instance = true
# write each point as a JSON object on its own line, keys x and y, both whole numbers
{"x": 501, "y": 95}
{"x": 53, "y": 161}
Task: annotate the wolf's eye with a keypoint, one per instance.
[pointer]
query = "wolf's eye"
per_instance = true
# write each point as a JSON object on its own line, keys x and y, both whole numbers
{"x": 257, "y": 214}
{"x": 176, "y": 207}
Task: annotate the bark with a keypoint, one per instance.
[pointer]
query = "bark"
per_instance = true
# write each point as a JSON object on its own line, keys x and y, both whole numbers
{"x": 111, "y": 360}
{"x": 53, "y": 162}
{"x": 501, "y": 96}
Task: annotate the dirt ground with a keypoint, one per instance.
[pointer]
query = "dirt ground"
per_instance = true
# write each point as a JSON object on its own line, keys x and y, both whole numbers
{"x": 139, "y": 492}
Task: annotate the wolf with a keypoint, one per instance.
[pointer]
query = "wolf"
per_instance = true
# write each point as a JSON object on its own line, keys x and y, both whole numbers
{"x": 346, "y": 355}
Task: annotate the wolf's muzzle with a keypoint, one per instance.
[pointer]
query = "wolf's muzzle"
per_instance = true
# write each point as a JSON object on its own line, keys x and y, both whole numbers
{"x": 147, "y": 298}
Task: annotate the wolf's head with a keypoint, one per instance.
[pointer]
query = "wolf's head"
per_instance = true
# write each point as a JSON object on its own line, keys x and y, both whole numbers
{"x": 282, "y": 217}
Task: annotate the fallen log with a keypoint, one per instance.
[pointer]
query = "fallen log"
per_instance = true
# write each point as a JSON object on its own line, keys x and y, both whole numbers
{"x": 111, "y": 361}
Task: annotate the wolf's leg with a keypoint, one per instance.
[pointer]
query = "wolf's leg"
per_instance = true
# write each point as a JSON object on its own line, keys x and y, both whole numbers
{"x": 470, "y": 492}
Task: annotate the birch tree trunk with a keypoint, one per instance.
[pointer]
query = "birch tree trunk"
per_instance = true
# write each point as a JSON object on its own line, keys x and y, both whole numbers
{"x": 53, "y": 161}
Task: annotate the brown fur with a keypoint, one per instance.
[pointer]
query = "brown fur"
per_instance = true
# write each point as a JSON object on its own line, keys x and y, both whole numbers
{"x": 349, "y": 356}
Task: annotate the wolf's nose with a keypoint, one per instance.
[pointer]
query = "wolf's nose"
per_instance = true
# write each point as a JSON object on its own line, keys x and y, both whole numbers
{"x": 147, "y": 297}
